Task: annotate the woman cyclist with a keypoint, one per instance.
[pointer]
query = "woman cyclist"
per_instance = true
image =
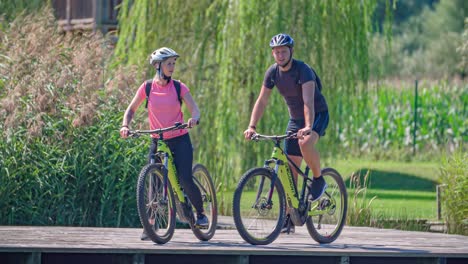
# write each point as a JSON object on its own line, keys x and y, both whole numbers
{"x": 164, "y": 110}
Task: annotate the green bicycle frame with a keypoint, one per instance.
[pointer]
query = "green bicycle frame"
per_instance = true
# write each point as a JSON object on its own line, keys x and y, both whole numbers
{"x": 284, "y": 174}
{"x": 170, "y": 170}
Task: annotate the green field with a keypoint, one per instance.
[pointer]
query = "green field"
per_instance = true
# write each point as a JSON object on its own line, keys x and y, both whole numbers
{"x": 403, "y": 190}
{"x": 402, "y": 204}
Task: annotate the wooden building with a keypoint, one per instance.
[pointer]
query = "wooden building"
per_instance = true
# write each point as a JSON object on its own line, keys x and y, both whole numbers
{"x": 87, "y": 14}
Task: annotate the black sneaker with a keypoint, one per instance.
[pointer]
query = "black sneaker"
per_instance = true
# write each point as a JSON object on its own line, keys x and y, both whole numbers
{"x": 288, "y": 226}
{"x": 202, "y": 221}
{"x": 317, "y": 188}
{"x": 144, "y": 236}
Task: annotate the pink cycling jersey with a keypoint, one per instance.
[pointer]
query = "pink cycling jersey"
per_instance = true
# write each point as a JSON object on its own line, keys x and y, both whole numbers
{"x": 164, "y": 108}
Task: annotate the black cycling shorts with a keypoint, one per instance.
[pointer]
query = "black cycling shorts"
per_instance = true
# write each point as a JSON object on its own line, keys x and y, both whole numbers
{"x": 291, "y": 146}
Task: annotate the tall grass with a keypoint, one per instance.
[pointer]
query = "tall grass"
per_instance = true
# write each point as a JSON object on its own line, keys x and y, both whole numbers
{"x": 87, "y": 180}
{"x": 10, "y": 9}
{"x": 61, "y": 160}
{"x": 454, "y": 176}
{"x": 363, "y": 212}
{"x": 359, "y": 206}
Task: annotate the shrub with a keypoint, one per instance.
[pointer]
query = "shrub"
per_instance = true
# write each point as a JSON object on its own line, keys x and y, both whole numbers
{"x": 454, "y": 176}
{"x": 61, "y": 159}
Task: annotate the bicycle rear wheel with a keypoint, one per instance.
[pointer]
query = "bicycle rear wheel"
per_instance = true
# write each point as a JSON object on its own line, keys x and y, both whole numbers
{"x": 257, "y": 220}
{"x": 157, "y": 213}
{"x": 330, "y": 210}
{"x": 202, "y": 179}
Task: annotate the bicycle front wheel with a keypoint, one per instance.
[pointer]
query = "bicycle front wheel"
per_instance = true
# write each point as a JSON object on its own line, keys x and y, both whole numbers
{"x": 258, "y": 218}
{"x": 329, "y": 212}
{"x": 203, "y": 181}
{"x": 157, "y": 213}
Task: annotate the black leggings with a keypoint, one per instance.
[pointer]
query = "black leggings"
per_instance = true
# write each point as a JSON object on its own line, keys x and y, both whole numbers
{"x": 182, "y": 151}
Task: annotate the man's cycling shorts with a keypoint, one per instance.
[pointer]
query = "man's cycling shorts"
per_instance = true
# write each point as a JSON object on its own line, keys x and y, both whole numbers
{"x": 291, "y": 146}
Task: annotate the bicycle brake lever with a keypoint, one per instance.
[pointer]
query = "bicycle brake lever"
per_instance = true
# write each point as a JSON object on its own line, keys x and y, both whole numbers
{"x": 254, "y": 137}
{"x": 134, "y": 134}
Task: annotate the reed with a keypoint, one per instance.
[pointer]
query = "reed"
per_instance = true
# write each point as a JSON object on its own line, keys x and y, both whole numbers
{"x": 359, "y": 206}
{"x": 453, "y": 176}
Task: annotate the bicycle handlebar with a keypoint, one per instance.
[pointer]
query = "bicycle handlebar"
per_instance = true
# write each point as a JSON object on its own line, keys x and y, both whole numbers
{"x": 258, "y": 137}
{"x": 135, "y": 133}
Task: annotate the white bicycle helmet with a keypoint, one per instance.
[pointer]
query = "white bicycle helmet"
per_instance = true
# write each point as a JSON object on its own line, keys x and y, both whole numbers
{"x": 162, "y": 54}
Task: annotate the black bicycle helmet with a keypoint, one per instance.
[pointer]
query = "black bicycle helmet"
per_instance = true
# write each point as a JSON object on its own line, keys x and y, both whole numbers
{"x": 282, "y": 40}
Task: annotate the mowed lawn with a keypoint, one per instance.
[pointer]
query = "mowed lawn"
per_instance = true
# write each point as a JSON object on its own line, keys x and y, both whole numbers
{"x": 403, "y": 190}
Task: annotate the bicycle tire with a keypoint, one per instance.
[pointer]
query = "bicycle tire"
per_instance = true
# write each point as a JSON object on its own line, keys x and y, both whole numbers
{"x": 325, "y": 221}
{"x": 259, "y": 224}
{"x": 163, "y": 212}
{"x": 207, "y": 189}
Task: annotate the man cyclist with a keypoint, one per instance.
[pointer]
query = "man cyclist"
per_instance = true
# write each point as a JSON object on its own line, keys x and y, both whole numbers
{"x": 308, "y": 110}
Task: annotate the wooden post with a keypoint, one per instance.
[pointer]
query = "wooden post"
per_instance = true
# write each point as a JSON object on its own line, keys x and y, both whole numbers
{"x": 95, "y": 15}
{"x": 415, "y": 115}
{"x": 34, "y": 258}
{"x": 68, "y": 16}
{"x": 439, "y": 209}
{"x": 139, "y": 258}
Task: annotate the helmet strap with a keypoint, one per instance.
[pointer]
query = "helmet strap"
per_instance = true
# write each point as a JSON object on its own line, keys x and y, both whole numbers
{"x": 290, "y": 58}
{"x": 161, "y": 74}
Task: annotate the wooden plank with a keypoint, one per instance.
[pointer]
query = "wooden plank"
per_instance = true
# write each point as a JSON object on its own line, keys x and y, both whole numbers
{"x": 354, "y": 241}
{"x": 76, "y": 21}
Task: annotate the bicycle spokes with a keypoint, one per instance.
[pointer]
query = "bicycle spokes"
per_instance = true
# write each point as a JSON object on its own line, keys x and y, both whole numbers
{"x": 204, "y": 183}
{"x": 258, "y": 209}
{"x": 328, "y": 213}
{"x": 157, "y": 203}
{"x": 155, "y": 209}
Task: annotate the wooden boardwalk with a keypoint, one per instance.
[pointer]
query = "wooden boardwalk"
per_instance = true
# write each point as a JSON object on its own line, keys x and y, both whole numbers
{"x": 27, "y": 244}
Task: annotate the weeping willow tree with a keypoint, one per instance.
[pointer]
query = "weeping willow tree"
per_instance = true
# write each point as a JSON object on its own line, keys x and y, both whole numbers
{"x": 224, "y": 54}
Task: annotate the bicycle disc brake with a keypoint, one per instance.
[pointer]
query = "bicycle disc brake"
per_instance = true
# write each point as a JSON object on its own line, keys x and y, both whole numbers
{"x": 263, "y": 207}
{"x": 327, "y": 204}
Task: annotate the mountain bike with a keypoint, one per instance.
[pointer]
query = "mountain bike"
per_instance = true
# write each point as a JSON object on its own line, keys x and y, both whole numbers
{"x": 160, "y": 194}
{"x": 263, "y": 193}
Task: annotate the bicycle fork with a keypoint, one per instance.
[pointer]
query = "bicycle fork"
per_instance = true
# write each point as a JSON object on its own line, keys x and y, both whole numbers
{"x": 165, "y": 177}
{"x": 268, "y": 203}
{"x": 274, "y": 172}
